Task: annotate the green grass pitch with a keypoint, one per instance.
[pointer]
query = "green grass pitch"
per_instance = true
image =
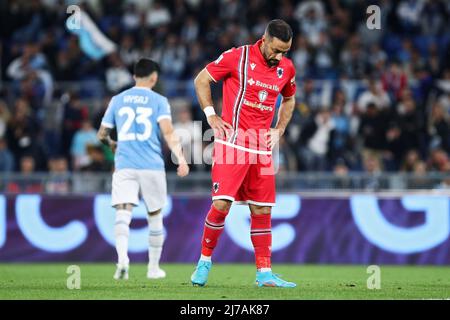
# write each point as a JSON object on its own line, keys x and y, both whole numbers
{"x": 226, "y": 282}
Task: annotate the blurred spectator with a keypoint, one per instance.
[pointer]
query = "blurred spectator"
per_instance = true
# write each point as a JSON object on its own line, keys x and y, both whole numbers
{"x": 58, "y": 180}
{"x": 117, "y": 75}
{"x": 310, "y": 97}
{"x": 83, "y": 138}
{"x": 173, "y": 58}
{"x": 26, "y": 183}
{"x": 353, "y": 59}
{"x": 375, "y": 95}
{"x": 301, "y": 56}
{"x": 6, "y": 157}
{"x": 372, "y": 131}
{"x": 318, "y": 138}
{"x": 32, "y": 63}
{"x": 339, "y": 146}
{"x": 342, "y": 179}
{"x": 97, "y": 160}
{"x": 411, "y": 159}
{"x": 190, "y": 30}
{"x": 131, "y": 18}
{"x": 74, "y": 114}
{"x": 394, "y": 80}
{"x": 376, "y": 60}
{"x": 286, "y": 159}
{"x": 411, "y": 125}
{"x": 439, "y": 161}
{"x": 419, "y": 179}
{"x": 129, "y": 52}
{"x": 4, "y": 118}
{"x": 157, "y": 15}
{"x": 408, "y": 12}
{"x": 323, "y": 57}
{"x": 432, "y": 17}
{"x": 22, "y": 131}
{"x": 439, "y": 128}
{"x": 373, "y": 181}
{"x": 312, "y": 22}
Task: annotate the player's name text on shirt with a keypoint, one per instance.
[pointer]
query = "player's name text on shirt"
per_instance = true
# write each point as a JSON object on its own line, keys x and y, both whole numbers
{"x": 135, "y": 99}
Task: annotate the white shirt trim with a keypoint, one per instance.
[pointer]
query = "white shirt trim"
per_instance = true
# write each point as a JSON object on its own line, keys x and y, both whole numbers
{"x": 223, "y": 198}
{"x": 107, "y": 125}
{"x": 256, "y": 203}
{"x": 164, "y": 116}
{"x": 143, "y": 88}
{"x": 267, "y": 153}
{"x": 210, "y": 75}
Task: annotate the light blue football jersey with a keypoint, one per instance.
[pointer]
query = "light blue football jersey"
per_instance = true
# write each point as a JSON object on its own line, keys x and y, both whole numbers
{"x": 135, "y": 113}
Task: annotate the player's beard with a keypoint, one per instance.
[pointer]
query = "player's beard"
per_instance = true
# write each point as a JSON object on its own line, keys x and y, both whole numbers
{"x": 272, "y": 62}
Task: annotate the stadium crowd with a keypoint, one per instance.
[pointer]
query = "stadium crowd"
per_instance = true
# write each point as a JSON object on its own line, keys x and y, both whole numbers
{"x": 367, "y": 100}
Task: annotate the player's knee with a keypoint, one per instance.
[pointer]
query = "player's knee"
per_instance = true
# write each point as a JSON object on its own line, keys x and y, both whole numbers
{"x": 222, "y": 205}
{"x": 260, "y": 209}
{"x": 124, "y": 206}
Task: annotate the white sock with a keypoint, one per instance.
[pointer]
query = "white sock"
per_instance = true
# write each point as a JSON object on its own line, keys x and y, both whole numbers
{"x": 156, "y": 240}
{"x": 205, "y": 258}
{"x": 122, "y": 232}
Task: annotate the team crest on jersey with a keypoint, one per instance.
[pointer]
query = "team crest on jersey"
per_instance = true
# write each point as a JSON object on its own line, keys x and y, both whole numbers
{"x": 215, "y": 187}
{"x": 262, "y": 95}
{"x": 280, "y": 72}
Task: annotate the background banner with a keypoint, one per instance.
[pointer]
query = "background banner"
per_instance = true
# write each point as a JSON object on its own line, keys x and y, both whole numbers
{"x": 353, "y": 229}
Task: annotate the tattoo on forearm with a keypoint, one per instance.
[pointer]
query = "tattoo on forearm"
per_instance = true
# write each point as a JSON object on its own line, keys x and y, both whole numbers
{"x": 103, "y": 136}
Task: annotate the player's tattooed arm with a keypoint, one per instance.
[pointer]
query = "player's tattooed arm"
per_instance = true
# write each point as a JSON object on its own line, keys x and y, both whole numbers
{"x": 103, "y": 135}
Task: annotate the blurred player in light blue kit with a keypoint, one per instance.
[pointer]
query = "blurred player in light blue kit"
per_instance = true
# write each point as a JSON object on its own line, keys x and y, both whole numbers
{"x": 141, "y": 116}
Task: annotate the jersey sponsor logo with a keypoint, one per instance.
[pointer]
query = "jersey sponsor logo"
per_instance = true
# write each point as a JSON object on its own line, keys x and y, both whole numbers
{"x": 258, "y": 83}
{"x": 256, "y": 105}
{"x": 280, "y": 72}
{"x": 253, "y": 65}
{"x": 135, "y": 99}
{"x": 262, "y": 95}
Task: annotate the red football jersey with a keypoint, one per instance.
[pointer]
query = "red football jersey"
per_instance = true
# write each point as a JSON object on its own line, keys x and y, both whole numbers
{"x": 250, "y": 91}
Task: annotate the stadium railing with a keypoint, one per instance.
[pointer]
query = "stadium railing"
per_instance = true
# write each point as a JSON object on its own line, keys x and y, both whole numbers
{"x": 200, "y": 182}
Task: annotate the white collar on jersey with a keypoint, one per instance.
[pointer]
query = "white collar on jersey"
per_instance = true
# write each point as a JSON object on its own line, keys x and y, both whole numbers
{"x": 143, "y": 88}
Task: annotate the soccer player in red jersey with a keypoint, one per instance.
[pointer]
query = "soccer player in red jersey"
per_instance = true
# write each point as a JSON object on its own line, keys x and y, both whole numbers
{"x": 242, "y": 171}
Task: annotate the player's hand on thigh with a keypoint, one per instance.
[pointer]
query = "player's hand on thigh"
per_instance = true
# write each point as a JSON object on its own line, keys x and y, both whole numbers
{"x": 272, "y": 137}
{"x": 221, "y": 128}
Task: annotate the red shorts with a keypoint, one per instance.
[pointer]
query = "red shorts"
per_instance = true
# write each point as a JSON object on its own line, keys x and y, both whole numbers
{"x": 242, "y": 176}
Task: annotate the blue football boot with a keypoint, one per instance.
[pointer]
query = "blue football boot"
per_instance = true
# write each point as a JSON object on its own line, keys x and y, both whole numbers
{"x": 200, "y": 275}
{"x": 269, "y": 279}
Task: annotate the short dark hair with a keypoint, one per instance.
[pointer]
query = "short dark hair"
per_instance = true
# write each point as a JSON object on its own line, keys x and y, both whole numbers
{"x": 145, "y": 67}
{"x": 279, "y": 29}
